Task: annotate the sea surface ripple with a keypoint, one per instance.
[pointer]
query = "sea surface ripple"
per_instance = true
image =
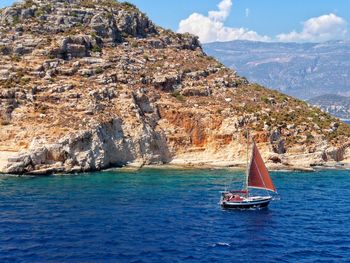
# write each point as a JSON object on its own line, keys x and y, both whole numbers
{"x": 172, "y": 216}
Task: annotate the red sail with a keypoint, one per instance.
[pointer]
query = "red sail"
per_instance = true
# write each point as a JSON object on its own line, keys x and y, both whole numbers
{"x": 258, "y": 174}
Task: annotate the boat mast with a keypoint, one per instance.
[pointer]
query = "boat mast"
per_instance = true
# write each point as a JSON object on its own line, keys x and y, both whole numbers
{"x": 247, "y": 170}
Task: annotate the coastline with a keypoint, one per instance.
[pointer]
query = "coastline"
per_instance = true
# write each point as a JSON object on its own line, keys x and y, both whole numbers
{"x": 4, "y": 156}
{"x": 271, "y": 168}
{"x": 191, "y": 166}
{"x": 290, "y": 163}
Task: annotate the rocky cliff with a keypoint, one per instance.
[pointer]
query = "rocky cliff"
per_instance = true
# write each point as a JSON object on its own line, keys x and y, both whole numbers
{"x": 86, "y": 85}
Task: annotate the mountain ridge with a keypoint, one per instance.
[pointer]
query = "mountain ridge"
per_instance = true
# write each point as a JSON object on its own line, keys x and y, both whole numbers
{"x": 335, "y": 105}
{"x": 303, "y": 70}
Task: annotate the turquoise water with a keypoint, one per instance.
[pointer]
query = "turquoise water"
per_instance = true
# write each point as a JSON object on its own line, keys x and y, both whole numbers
{"x": 172, "y": 216}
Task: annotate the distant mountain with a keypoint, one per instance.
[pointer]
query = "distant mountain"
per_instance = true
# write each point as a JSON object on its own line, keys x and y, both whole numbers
{"x": 302, "y": 70}
{"x": 333, "y": 104}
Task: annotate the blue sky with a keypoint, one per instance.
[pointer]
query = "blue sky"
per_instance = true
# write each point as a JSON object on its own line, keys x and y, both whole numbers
{"x": 268, "y": 17}
{"x": 267, "y": 20}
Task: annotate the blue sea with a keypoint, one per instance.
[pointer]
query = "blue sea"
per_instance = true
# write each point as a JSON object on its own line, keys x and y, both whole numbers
{"x": 172, "y": 216}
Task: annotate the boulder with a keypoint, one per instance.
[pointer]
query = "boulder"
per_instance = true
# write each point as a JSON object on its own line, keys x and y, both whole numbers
{"x": 166, "y": 82}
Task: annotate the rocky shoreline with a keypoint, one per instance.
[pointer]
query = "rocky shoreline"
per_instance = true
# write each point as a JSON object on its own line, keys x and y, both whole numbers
{"x": 106, "y": 146}
{"x": 180, "y": 164}
{"x": 287, "y": 169}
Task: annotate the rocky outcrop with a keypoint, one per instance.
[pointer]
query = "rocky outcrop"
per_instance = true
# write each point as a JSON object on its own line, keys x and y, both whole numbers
{"x": 135, "y": 24}
{"x": 105, "y": 27}
{"x": 168, "y": 82}
{"x": 76, "y": 47}
{"x": 8, "y": 102}
{"x": 105, "y": 146}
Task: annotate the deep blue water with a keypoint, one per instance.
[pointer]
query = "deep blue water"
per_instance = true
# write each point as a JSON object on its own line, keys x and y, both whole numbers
{"x": 172, "y": 216}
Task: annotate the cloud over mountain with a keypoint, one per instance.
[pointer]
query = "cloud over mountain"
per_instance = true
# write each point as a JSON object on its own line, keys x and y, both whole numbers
{"x": 318, "y": 29}
{"x": 212, "y": 27}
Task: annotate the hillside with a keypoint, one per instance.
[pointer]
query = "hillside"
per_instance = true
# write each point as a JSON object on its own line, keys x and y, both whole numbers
{"x": 86, "y": 85}
{"x": 333, "y": 104}
{"x": 303, "y": 70}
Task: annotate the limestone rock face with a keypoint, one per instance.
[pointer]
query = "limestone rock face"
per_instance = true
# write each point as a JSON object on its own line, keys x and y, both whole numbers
{"x": 134, "y": 24}
{"x": 75, "y": 47}
{"x": 87, "y": 85}
{"x": 105, "y": 27}
{"x": 103, "y": 147}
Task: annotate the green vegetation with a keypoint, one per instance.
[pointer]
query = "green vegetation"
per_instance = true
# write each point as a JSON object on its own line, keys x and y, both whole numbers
{"x": 134, "y": 44}
{"x": 96, "y": 48}
{"x": 87, "y": 4}
{"x": 278, "y": 110}
{"x": 16, "y": 20}
{"x": 93, "y": 35}
{"x": 15, "y": 58}
{"x": 178, "y": 96}
{"x": 187, "y": 70}
{"x": 4, "y": 122}
{"x": 20, "y": 79}
{"x": 74, "y": 14}
{"x": 108, "y": 3}
{"x": 309, "y": 138}
{"x": 51, "y": 56}
{"x": 42, "y": 109}
{"x": 99, "y": 70}
{"x": 129, "y": 5}
{"x": 219, "y": 111}
{"x": 28, "y": 4}
{"x": 342, "y": 131}
{"x": 43, "y": 10}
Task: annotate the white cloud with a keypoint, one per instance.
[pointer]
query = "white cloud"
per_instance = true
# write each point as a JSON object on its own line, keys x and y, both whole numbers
{"x": 224, "y": 11}
{"x": 211, "y": 28}
{"x": 318, "y": 29}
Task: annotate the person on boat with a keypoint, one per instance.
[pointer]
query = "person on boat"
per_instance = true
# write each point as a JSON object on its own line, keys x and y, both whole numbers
{"x": 232, "y": 197}
{"x": 229, "y": 196}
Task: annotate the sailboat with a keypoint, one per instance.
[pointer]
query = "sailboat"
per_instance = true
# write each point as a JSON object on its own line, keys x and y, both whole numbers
{"x": 257, "y": 177}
